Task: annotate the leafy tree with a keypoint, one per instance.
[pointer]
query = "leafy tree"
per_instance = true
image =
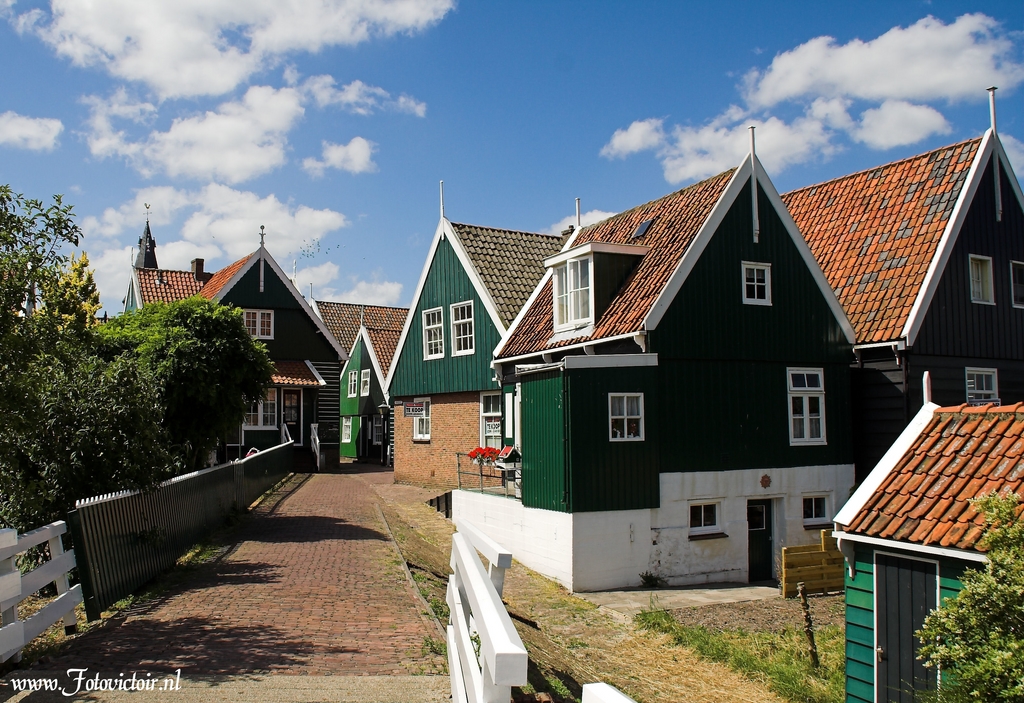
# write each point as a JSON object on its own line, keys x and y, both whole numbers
{"x": 207, "y": 367}
{"x": 977, "y": 638}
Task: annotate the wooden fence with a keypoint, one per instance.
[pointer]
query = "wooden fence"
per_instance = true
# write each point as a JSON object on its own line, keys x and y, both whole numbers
{"x": 16, "y": 586}
{"x": 125, "y": 539}
{"x": 819, "y": 566}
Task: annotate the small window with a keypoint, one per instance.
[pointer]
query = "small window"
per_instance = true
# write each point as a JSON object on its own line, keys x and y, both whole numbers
{"x": 815, "y": 510}
{"x": 981, "y": 280}
{"x": 353, "y": 383}
{"x": 490, "y": 420}
{"x": 757, "y": 283}
{"x": 572, "y": 293}
{"x": 259, "y": 323}
{"x": 364, "y": 382}
{"x": 462, "y": 328}
{"x": 378, "y": 429}
{"x": 421, "y": 425}
{"x": 703, "y": 518}
{"x": 1017, "y": 280}
{"x": 263, "y": 415}
{"x": 806, "y": 406}
{"x": 982, "y": 386}
{"x": 433, "y": 334}
{"x": 626, "y": 417}
{"x": 346, "y": 429}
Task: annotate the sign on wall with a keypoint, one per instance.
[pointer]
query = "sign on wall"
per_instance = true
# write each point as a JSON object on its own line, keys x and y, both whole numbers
{"x": 414, "y": 409}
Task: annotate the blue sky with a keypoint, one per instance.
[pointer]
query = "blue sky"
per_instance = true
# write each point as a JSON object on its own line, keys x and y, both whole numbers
{"x": 332, "y": 122}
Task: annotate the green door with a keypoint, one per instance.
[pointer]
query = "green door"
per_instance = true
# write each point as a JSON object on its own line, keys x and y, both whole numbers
{"x": 759, "y": 540}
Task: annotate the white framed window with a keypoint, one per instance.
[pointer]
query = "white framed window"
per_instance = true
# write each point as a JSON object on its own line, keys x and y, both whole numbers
{"x": 364, "y": 382}
{"x": 981, "y": 280}
{"x": 353, "y": 383}
{"x": 982, "y": 386}
{"x": 815, "y": 510}
{"x": 573, "y": 301}
{"x": 1017, "y": 283}
{"x": 757, "y": 283}
{"x": 462, "y": 328}
{"x": 421, "y": 425}
{"x": 259, "y": 323}
{"x": 262, "y": 415}
{"x": 378, "y": 429}
{"x": 346, "y": 429}
{"x": 704, "y": 518}
{"x": 626, "y": 417}
{"x": 806, "y": 406}
{"x": 433, "y": 333}
{"x": 490, "y": 420}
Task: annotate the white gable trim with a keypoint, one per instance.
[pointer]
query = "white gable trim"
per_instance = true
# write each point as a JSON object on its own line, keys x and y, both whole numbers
{"x": 521, "y": 314}
{"x": 474, "y": 277}
{"x": 990, "y": 146}
{"x": 316, "y": 374}
{"x": 133, "y": 290}
{"x": 568, "y": 347}
{"x": 886, "y": 464}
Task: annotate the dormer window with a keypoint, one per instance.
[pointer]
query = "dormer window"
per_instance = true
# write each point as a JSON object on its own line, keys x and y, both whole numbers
{"x": 572, "y": 294}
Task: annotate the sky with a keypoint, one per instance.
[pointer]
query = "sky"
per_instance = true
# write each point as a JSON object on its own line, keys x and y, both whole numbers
{"x": 332, "y": 122}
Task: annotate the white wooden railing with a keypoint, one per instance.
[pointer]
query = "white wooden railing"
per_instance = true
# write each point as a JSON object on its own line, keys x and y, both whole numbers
{"x": 484, "y": 670}
{"x": 15, "y": 587}
{"x": 603, "y": 693}
{"x": 314, "y": 442}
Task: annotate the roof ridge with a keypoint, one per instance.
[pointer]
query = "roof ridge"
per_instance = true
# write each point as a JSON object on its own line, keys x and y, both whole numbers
{"x": 364, "y": 305}
{"x": 503, "y": 229}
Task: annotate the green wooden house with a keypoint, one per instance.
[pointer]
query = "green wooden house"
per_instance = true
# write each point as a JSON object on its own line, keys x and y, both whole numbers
{"x": 681, "y": 381}
{"x": 447, "y": 401}
{"x": 365, "y": 407}
{"x": 909, "y": 532}
{"x": 305, "y": 394}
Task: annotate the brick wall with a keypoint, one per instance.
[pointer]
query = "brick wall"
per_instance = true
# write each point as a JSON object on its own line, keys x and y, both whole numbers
{"x": 454, "y": 427}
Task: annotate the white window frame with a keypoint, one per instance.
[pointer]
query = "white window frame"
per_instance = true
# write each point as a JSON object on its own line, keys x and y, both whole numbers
{"x": 1013, "y": 297}
{"x": 826, "y": 517}
{"x": 561, "y": 277}
{"x": 421, "y": 425}
{"x": 440, "y": 333}
{"x": 353, "y": 383}
{"x": 806, "y": 394}
{"x": 625, "y": 417}
{"x": 703, "y": 529}
{"x": 346, "y": 430}
{"x": 364, "y": 382}
{"x": 492, "y": 415}
{"x": 378, "y": 430}
{"x": 988, "y": 284}
{"x": 258, "y": 317}
{"x": 757, "y": 266}
{"x": 967, "y": 386}
{"x": 461, "y": 339}
{"x": 259, "y": 407}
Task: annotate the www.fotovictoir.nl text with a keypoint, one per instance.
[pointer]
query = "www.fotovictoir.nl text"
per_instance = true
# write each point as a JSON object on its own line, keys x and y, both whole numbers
{"x": 81, "y": 681}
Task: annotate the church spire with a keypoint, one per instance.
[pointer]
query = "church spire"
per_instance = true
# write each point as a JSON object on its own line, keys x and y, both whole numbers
{"x": 147, "y": 247}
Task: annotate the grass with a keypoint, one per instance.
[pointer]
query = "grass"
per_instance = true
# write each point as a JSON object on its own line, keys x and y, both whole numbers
{"x": 779, "y": 659}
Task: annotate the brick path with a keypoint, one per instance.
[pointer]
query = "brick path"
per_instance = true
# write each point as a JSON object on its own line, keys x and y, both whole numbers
{"x": 311, "y": 585}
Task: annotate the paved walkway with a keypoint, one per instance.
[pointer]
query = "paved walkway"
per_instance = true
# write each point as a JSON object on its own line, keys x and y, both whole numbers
{"x": 627, "y": 603}
{"x": 312, "y": 585}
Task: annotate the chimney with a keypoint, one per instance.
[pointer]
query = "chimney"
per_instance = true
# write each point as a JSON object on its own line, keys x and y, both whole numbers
{"x": 197, "y": 271}
{"x": 568, "y": 230}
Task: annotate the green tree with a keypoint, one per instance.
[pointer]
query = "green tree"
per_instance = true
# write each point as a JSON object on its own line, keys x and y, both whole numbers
{"x": 207, "y": 367}
{"x": 977, "y": 638}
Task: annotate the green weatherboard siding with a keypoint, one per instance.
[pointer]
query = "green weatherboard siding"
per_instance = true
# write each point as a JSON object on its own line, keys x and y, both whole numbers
{"x": 447, "y": 283}
{"x": 545, "y": 484}
{"x": 359, "y": 405}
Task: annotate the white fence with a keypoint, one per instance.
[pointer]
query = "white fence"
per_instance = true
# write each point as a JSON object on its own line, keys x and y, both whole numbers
{"x": 15, "y": 587}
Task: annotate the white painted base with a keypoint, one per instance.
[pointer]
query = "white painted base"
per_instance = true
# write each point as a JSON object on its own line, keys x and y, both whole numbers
{"x": 608, "y": 550}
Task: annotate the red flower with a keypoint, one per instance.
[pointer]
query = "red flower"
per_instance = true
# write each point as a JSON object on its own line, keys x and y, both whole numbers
{"x": 484, "y": 455}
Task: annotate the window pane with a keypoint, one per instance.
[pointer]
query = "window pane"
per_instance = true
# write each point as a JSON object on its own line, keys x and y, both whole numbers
{"x": 709, "y": 515}
{"x": 808, "y": 508}
{"x": 819, "y": 507}
{"x": 813, "y": 380}
{"x": 798, "y": 405}
{"x": 814, "y": 428}
{"x": 633, "y": 405}
{"x": 265, "y": 324}
{"x": 798, "y": 380}
{"x": 618, "y": 405}
{"x": 633, "y": 428}
{"x": 798, "y": 428}
{"x": 696, "y": 516}
{"x": 814, "y": 406}
{"x": 618, "y": 428}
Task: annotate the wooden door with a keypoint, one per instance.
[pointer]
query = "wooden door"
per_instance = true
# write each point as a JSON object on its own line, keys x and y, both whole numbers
{"x": 759, "y": 540}
{"x": 293, "y": 414}
{"x": 906, "y": 590}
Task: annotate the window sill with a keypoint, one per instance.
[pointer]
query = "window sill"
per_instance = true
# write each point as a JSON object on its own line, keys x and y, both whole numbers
{"x": 817, "y": 525}
{"x": 261, "y": 428}
{"x": 762, "y": 303}
{"x": 983, "y": 302}
{"x": 464, "y": 353}
{"x": 816, "y": 443}
{"x": 707, "y": 535}
{"x": 421, "y": 440}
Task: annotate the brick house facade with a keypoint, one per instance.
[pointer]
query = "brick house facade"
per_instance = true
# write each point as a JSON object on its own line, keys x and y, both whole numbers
{"x": 454, "y": 428}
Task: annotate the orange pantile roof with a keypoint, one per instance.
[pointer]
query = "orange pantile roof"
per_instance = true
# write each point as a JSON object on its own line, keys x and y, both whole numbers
{"x": 384, "y": 342}
{"x": 875, "y": 233}
{"x": 163, "y": 286}
{"x": 293, "y": 373}
{"x": 221, "y": 278}
{"x": 343, "y": 319}
{"x": 963, "y": 453}
{"x": 677, "y": 219}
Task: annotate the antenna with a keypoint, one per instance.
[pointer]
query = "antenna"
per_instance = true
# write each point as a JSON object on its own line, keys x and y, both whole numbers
{"x": 753, "y": 186}
{"x": 578, "y": 213}
{"x": 442, "y": 199}
{"x": 995, "y": 154}
{"x": 262, "y": 235}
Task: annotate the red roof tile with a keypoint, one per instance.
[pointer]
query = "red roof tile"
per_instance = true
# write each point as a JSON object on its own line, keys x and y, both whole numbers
{"x": 343, "y": 319}
{"x": 221, "y": 278}
{"x": 925, "y": 500}
{"x": 163, "y": 286}
{"x": 384, "y": 342}
{"x": 293, "y": 373}
{"x": 875, "y": 233}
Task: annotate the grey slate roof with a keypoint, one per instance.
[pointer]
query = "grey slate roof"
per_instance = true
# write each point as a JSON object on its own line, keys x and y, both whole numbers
{"x": 509, "y": 263}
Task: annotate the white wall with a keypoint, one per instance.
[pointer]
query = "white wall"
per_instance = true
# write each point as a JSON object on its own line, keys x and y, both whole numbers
{"x": 610, "y": 549}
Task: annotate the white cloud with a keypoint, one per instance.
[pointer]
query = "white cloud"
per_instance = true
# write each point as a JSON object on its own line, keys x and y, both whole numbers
{"x": 354, "y": 157}
{"x": 360, "y": 98}
{"x": 240, "y": 140}
{"x": 210, "y": 47}
{"x": 586, "y": 218}
{"x": 928, "y": 60}
{"x": 1015, "y": 152}
{"x": 34, "y": 133}
{"x": 639, "y": 136}
{"x": 373, "y": 292}
{"x": 111, "y": 270}
{"x": 321, "y": 276}
{"x": 897, "y": 122}
{"x": 165, "y": 202}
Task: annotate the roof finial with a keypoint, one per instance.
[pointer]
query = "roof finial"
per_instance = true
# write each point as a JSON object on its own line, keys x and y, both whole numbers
{"x": 262, "y": 235}
{"x": 578, "y": 213}
{"x": 442, "y": 199}
{"x": 753, "y": 186}
{"x": 147, "y": 212}
{"x": 992, "y": 105}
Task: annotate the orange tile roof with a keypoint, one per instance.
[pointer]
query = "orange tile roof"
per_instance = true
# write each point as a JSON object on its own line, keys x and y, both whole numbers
{"x": 964, "y": 452}
{"x": 384, "y": 342}
{"x": 163, "y": 286}
{"x": 678, "y": 218}
{"x": 293, "y": 373}
{"x": 342, "y": 319}
{"x": 221, "y": 278}
{"x": 875, "y": 233}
